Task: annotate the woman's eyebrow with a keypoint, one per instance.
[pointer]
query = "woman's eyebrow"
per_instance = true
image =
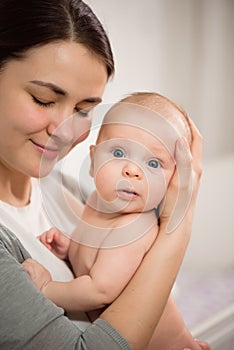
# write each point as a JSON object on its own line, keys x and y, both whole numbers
{"x": 56, "y": 89}
{"x": 93, "y": 100}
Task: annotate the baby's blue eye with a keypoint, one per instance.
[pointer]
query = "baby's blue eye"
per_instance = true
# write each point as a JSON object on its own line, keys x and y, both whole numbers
{"x": 118, "y": 153}
{"x": 154, "y": 164}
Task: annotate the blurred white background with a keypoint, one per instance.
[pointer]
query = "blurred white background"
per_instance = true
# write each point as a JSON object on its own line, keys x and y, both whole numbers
{"x": 184, "y": 49}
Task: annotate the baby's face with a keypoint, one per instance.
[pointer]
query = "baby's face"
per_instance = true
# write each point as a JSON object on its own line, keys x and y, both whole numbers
{"x": 131, "y": 168}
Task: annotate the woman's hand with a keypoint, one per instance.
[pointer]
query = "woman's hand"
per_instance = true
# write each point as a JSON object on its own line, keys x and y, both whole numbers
{"x": 203, "y": 345}
{"x": 183, "y": 188}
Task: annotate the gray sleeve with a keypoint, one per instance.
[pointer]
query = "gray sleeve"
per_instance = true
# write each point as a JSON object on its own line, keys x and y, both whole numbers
{"x": 29, "y": 321}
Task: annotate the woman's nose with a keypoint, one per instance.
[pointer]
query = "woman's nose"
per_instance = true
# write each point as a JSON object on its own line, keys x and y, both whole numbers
{"x": 132, "y": 170}
{"x": 62, "y": 129}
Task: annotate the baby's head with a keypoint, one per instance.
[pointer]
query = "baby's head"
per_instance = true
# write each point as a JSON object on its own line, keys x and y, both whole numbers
{"x": 139, "y": 133}
{"x": 159, "y": 104}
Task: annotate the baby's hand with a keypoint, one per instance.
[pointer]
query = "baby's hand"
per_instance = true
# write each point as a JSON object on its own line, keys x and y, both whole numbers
{"x": 38, "y": 273}
{"x": 56, "y": 242}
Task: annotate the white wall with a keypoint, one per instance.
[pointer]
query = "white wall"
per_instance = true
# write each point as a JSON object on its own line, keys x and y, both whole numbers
{"x": 181, "y": 48}
{"x": 211, "y": 247}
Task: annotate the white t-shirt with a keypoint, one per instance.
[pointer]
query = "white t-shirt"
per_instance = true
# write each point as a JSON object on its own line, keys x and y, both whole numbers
{"x": 33, "y": 219}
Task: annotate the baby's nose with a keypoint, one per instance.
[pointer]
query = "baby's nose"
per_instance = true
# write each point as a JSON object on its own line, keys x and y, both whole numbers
{"x": 132, "y": 170}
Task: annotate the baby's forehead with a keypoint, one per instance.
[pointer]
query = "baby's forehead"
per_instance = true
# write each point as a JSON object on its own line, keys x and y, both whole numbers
{"x": 149, "y": 113}
{"x": 134, "y": 120}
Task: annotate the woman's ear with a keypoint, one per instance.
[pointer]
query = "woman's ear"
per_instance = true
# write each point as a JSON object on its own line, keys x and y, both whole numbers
{"x": 91, "y": 154}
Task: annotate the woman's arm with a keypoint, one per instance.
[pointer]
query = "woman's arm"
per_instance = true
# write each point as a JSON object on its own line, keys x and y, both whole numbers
{"x": 30, "y": 321}
{"x": 147, "y": 293}
{"x": 171, "y": 333}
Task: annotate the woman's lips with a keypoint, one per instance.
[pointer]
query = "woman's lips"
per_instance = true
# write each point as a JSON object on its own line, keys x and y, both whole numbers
{"x": 47, "y": 152}
{"x": 127, "y": 194}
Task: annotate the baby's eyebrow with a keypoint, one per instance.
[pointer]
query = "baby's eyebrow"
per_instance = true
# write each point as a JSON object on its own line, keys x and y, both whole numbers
{"x": 159, "y": 149}
{"x": 162, "y": 153}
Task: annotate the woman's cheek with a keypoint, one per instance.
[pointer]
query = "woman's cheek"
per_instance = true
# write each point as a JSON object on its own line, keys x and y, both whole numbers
{"x": 81, "y": 128}
{"x": 81, "y": 138}
{"x": 34, "y": 121}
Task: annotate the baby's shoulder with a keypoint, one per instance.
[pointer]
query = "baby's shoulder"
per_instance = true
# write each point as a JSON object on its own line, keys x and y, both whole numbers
{"x": 143, "y": 227}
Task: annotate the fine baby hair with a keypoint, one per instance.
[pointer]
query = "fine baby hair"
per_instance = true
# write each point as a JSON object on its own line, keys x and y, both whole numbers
{"x": 165, "y": 107}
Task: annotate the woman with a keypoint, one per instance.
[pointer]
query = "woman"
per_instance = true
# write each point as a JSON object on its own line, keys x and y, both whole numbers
{"x": 55, "y": 60}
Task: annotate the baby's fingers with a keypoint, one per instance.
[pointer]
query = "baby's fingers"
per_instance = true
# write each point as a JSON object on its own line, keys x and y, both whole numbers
{"x": 47, "y": 237}
{"x": 28, "y": 266}
{"x": 43, "y": 239}
{"x": 38, "y": 274}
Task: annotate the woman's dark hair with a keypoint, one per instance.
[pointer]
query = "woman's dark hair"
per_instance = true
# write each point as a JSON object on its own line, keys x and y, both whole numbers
{"x": 25, "y": 24}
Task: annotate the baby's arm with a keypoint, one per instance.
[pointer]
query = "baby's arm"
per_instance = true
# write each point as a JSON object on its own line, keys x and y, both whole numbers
{"x": 56, "y": 242}
{"x": 108, "y": 276}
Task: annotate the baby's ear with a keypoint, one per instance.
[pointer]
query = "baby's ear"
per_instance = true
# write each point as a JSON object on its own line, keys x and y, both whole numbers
{"x": 91, "y": 154}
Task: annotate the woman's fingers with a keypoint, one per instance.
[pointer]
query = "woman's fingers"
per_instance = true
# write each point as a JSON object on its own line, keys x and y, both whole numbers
{"x": 180, "y": 189}
{"x": 184, "y": 184}
{"x": 203, "y": 345}
{"x": 196, "y": 148}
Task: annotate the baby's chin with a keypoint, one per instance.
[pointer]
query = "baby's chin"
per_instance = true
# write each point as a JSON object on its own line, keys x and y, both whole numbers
{"x": 138, "y": 210}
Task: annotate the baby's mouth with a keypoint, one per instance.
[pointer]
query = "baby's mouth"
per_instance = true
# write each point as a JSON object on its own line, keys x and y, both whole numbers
{"x": 127, "y": 194}
{"x": 130, "y": 192}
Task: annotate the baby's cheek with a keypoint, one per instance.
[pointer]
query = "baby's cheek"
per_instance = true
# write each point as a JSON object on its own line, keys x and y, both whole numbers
{"x": 156, "y": 190}
{"x": 104, "y": 181}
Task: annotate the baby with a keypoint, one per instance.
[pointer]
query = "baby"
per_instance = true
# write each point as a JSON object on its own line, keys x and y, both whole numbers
{"x": 132, "y": 164}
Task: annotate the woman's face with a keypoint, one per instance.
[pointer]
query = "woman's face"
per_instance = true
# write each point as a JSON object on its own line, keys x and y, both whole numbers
{"x": 44, "y": 100}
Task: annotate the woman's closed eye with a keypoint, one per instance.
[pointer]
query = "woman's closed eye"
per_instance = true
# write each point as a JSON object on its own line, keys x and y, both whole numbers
{"x": 42, "y": 103}
{"x": 118, "y": 153}
{"x": 83, "y": 112}
{"x": 153, "y": 163}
